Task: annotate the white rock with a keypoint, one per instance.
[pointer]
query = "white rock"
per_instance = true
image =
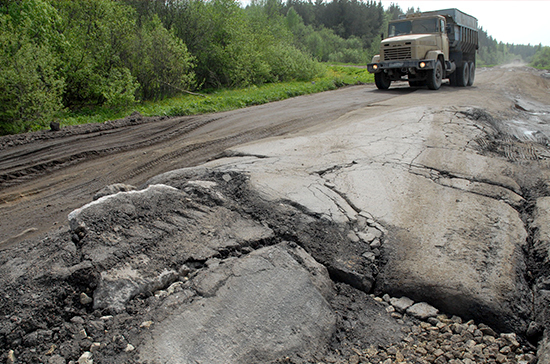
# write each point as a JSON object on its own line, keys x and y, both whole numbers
{"x": 85, "y": 299}
{"x": 401, "y": 304}
{"x": 11, "y": 357}
{"x": 95, "y": 347}
{"x": 422, "y": 311}
{"x": 376, "y": 243}
{"x": 146, "y": 324}
{"x": 367, "y": 237}
{"x": 366, "y": 214}
{"x": 85, "y": 358}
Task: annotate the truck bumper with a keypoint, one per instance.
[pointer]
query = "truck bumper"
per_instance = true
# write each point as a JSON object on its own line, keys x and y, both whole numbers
{"x": 419, "y": 65}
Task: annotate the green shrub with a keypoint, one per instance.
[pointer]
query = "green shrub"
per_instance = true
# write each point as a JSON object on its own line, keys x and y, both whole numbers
{"x": 289, "y": 63}
{"x": 161, "y": 62}
{"x": 96, "y": 56}
{"x": 542, "y": 58}
{"x": 119, "y": 88}
{"x": 30, "y": 88}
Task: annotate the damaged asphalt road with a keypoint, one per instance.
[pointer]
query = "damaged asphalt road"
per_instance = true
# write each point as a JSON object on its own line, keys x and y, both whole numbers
{"x": 297, "y": 248}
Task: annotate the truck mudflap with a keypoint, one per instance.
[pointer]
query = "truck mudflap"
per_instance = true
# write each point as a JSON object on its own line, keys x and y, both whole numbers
{"x": 419, "y": 65}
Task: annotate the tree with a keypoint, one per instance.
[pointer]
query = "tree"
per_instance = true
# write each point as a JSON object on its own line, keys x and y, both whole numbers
{"x": 96, "y": 56}
{"x": 161, "y": 62}
{"x": 30, "y": 87}
{"x": 542, "y": 58}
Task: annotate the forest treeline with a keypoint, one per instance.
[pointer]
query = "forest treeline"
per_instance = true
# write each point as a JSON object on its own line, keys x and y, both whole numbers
{"x": 76, "y": 54}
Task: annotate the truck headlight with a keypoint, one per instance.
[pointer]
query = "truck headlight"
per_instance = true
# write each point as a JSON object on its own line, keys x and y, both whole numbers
{"x": 422, "y": 64}
{"x": 375, "y": 67}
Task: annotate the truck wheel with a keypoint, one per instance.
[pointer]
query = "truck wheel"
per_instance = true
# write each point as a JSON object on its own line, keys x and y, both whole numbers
{"x": 382, "y": 80}
{"x": 463, "y": 75}
{"x": 472, "y": 74}
{"x": 435, "y": 76}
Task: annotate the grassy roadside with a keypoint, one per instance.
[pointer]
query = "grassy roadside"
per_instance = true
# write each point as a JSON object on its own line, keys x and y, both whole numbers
{"x": 224, "y": 100}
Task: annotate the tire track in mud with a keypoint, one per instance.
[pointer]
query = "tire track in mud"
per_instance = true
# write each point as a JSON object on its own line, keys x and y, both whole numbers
{"x": 217, "y": 144}
{"x": 26, "y": 168}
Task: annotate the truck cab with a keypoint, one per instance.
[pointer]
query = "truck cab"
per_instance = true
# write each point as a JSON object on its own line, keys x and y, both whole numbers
{"x": 433, "y": 31}
{"x": 418, "y": 50}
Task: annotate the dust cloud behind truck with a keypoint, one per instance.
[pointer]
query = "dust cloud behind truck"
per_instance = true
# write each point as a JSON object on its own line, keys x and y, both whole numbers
{"x": 426, "y": 48}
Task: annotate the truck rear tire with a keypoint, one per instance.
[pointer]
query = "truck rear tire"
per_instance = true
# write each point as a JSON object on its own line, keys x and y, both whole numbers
{"x": 463, "y": 75}
{"x": 435, "y": 76}
{"x": 472, "y": 75}
{"x": 382, "y": 80}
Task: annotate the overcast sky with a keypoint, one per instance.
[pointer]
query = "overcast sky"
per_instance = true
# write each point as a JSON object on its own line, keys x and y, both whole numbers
{"x": 518, "y": 22}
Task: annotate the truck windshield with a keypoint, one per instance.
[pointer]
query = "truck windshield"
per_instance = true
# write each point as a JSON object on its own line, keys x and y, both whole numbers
{"x": 415, "y": 26}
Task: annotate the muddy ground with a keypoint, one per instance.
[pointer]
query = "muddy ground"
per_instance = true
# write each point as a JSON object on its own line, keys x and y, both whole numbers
{"x": 46, "y": 175}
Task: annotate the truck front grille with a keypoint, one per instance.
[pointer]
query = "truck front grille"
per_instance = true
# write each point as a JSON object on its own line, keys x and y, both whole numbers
{"x": 392, "y": 54}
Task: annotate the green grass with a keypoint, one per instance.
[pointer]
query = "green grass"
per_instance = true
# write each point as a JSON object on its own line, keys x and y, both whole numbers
{"x": 224, "y": 100}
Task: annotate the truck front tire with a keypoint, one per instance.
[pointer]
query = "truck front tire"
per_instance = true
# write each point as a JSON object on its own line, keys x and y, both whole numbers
{"x": 435, "y": 76}
{"x": 382, "y": 80}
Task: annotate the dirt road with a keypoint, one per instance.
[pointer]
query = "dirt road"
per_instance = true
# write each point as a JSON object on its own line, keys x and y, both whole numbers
{"x": 45, "y": 175}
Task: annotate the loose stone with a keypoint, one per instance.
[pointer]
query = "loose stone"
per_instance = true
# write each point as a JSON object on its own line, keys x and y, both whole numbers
{"x": 401, "y": 304}
{"x": 85, "y": 358}
{"x": 56, "y": 359}
{"x": 422, "y": 311}
{"x": 95, "y": 347}
{"x": 353, "y": 237}
{"x": 85, "y": 299}
{"x": 146, "y": 324}
{"x": 11, "y": 357}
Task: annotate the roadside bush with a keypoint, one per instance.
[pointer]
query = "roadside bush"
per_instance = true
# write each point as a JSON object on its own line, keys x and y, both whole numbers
{"x": 96, "y": 55}
{"x": 246, "y": 64}
{"x": 30, "y": 88}
{"x": 324, "y": 44}
{"x": 119, "y": 88}
{"x": 542, "y": 58}
{"x": 289, "y": 63}
{"x": 161, "y": 62}
{"x": 209, "y": 29}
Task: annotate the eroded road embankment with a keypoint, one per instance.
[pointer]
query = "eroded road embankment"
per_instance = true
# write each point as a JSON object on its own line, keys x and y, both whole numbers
{"x": 269, "y": 251}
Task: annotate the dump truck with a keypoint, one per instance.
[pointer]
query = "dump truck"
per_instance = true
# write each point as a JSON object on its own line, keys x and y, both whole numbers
{"x": 426, "y": 48}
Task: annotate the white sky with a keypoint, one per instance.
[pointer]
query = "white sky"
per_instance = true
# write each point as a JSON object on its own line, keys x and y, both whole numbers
{"x": 518, "y": 22}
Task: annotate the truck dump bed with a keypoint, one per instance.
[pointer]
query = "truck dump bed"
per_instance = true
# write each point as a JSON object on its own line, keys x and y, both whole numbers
{"x": 462, "y": 30}
{"x": 456, "y": 16}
